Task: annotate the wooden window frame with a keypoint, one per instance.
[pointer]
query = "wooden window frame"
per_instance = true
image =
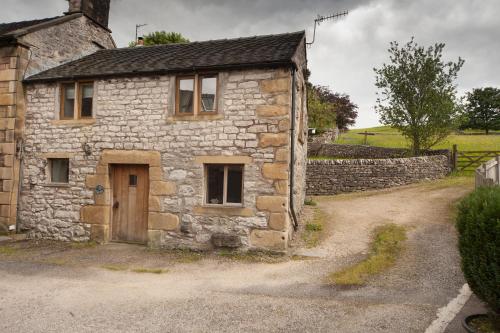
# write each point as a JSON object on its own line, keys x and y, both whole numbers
{"x": 77, "y": 110}
{"x": 224, "y": 189}
{"x": 177, "y": 95}
{"x": 200, "y": 90}
{"x": 197, "y": 90}
{"x": 50, "y": 161}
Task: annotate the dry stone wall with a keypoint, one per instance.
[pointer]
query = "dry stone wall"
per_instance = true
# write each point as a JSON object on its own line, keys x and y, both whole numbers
{"x": 362, "y": 151}
{"x": 328, "y": 177}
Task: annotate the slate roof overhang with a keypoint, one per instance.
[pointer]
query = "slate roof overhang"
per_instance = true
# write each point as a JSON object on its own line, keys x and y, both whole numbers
{"x": 241, "y": 53}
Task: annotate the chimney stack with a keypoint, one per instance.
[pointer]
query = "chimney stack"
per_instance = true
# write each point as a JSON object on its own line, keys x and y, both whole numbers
{"x": 140, "y": 41}
{"x": 96, "y": 10}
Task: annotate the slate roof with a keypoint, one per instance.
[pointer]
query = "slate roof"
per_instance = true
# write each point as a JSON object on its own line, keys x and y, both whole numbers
{"x": 13, "y": 26}
{"x": 257, "y": 51}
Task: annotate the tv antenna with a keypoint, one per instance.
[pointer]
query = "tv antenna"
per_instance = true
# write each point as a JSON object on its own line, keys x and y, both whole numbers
{"x": 137, "y": 26}
{"x": 321, "y": 18}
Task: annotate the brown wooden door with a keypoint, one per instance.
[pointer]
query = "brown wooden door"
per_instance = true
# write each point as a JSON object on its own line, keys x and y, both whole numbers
{"x": 130, "y": 203}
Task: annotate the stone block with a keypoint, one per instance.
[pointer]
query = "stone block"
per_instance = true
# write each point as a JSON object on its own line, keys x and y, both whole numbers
{"x": 4, "y": 210}
{"x": 278, "y": 221}
{"x": 7, "y": 99}
{"x": 284, "y": 125}
{"x": 275, "y": 171}
{"x": 282, "y": 155}
{"x": 7, "y": 185}
{"x": 155, "y": 173}
{"x": 6, "y": 173}
{"x": 283, "y": 99}
{"x": 269, "y": 240}
{"x": 91, "y": 181}
{"x": 274, "y": 204}
{"x": 226, "y": 240}
{"x": 8, "y": 75}
{"x": 95, "y": 214}
{"x": 154, "y": 238}
{"x": 272, "y": 110}
{"x": 274, "y": 86}
{"x": 7, "y": 123}
{"x": 162, "y": 188}
{"x": 7, "y": 148}
{"x": 154, "y": 204}
{"x": 152, "y": 158}
{"x": 281, "y": 187}
{"x": 4, "y": 198}
{"x": 102, "y": 199}
{"x": 163, "y": 221}
{"x": 99, "y": 233}
{"x": 272, "y": 139}
{"x": 8, "y": 160}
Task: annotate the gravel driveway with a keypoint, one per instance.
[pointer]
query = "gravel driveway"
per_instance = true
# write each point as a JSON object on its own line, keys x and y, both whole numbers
{"x": 43, "y": 290}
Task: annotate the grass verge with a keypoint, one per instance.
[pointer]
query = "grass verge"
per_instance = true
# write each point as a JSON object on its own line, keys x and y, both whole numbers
{"x": 115, "y": 268}
{"x": 252, "y": 256}
{"x": 7, "y": 250}
{"x": 385, "y": 248}
{"x": 313, "y": 230}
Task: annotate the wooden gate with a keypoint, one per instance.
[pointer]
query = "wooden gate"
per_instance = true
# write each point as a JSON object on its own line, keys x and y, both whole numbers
{"x": 469, "y": 160}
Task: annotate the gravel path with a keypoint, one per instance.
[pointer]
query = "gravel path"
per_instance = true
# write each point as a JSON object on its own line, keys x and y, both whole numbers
{"x": 215, "y": 295}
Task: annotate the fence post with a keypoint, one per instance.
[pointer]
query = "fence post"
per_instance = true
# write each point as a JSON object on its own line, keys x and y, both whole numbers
{"x": 454, "y": 157}
{"x": 498, "y": 170}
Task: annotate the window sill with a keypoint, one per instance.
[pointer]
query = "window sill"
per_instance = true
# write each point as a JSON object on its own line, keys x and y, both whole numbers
{"x": 73, "y": 122}
{"x": 198, "y": 117}
{"x": 220, "y": 210}
{"x": 63, "y": 185}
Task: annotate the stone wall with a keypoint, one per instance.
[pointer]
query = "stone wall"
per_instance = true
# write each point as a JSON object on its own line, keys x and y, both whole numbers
{"x": 362, "y": 151}
{"x": 65, "y": 42}
{"x": 328, "y": 177}
{"x": 136, "y": 115}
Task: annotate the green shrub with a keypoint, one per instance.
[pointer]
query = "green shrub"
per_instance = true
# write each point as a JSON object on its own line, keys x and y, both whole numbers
{"x": 478, "y": 224}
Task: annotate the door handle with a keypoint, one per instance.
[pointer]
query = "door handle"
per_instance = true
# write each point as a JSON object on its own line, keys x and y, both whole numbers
{"x": 116, "y": 204}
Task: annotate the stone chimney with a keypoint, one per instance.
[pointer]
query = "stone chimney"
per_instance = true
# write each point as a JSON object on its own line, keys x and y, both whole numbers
{"x": 96, "y": 10}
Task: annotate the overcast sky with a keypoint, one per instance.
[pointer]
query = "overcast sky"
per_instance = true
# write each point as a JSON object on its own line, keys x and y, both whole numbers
{"x": 345, "y": 51}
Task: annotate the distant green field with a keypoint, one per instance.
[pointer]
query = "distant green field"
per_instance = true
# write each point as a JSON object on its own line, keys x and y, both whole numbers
{"x": 389, "y": 137}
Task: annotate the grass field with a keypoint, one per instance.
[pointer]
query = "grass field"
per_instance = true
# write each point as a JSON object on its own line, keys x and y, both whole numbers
{"x": 389, "y": 137}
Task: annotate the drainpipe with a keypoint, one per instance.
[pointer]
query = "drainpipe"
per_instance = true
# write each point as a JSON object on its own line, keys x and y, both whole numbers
{"x": 292, "y": 153}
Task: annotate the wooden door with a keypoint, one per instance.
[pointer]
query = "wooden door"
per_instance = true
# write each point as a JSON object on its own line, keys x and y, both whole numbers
{"x": 130, "y": 203}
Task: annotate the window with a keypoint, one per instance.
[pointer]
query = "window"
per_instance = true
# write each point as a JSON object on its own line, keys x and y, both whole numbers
{"x": 132, "y": 180}
{"x": 224, "y": 184}
{"x": 59, "y": 170}
{"x": 196, "y": 95}
{"x": 76, "y": 100}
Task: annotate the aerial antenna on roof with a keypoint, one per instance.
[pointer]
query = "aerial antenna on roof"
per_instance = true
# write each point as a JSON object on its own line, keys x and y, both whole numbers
{"x": 321, "y": 18}
{"x": 137, "y": 26}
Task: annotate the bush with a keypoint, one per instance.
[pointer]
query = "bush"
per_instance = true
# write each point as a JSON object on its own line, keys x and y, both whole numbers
{"x": 478, "y": 224}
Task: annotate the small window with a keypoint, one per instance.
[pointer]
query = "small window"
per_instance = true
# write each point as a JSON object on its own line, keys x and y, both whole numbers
{"x": 185, "y": 95}
{"x": 68, "y": 107}
{"x": 208, "y": 91}
{"x": 132, "y": 180}
{"x": 76, "y": 100}
{"x": 224, "y": 184}
{"x": 59, "y": 170}
{"x": 87, "y": 96}
{"x": 196, "y": 95}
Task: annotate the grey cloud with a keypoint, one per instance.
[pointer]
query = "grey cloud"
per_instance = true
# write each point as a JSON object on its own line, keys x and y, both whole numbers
{"x": 346, "y": 50}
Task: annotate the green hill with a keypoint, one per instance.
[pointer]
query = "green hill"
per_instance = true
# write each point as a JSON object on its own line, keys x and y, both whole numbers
{"x": 389, "y": 137}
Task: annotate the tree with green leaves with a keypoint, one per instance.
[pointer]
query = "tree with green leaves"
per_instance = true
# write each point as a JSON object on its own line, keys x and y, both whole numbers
{"x": 418, "y": 93}
{"x": 482, "y": 110}
{"x": 162, "y": 37}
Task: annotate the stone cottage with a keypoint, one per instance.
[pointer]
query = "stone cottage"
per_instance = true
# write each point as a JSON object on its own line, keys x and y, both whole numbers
{"x": 194, "y": 145}
{"x": 27, "y": 48}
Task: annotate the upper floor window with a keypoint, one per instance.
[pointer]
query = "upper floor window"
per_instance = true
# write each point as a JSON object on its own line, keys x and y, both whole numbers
{"x": 77, "y": 100}
{"x": 196, "y": 95}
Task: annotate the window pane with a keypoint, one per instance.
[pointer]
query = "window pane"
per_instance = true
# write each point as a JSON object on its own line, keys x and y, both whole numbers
{"x": 208, "y": 94}
{"x": 215, "y": 184}
{"x": 132, "y": 180}
{"x": 186, "y": 94}
{"x": 234, "y": 183}
{"x": 69, "y": 100}
{"x": 59, "y": 170}
{"x": 86, "y": 102}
